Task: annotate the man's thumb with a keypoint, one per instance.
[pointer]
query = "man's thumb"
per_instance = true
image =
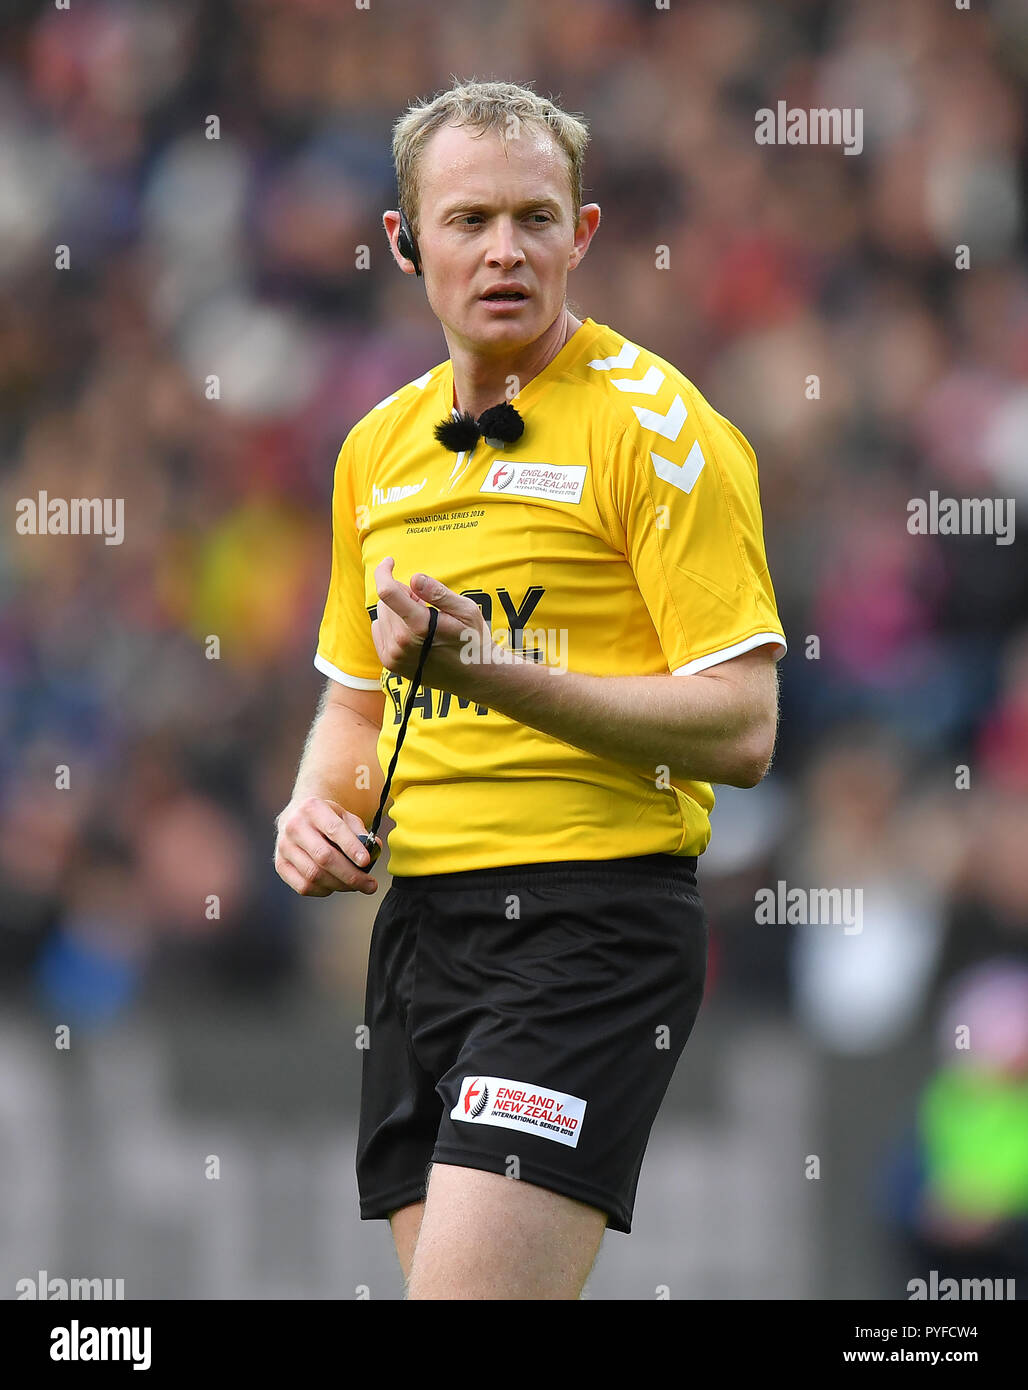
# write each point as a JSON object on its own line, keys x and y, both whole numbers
{"x": 432, "y": 590}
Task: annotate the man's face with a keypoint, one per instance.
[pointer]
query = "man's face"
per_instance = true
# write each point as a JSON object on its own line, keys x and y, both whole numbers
{"x": 490, "y": 215}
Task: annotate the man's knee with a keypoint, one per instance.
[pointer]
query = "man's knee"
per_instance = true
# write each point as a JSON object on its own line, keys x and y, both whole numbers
{"x": 486, "y": 1236}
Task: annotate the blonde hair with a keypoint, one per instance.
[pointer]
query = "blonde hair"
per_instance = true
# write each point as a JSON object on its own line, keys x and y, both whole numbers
{"x": 499, "y": 106}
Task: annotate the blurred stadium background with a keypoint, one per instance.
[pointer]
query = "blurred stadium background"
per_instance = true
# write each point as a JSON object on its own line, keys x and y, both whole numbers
{"x": 189, "y": 256}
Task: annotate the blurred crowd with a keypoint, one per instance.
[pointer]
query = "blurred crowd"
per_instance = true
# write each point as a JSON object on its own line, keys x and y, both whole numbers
{"x": 817, "y": 300}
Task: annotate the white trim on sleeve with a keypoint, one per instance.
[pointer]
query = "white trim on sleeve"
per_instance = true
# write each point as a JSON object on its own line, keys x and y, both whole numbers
{"x": 715, "y": 658}
{"x": 354, "y": 682}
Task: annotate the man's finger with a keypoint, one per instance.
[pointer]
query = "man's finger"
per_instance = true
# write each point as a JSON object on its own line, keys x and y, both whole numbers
{"x": 436, "y": 593}
{"x": 297, "y": 869}
{"x": 336, "y": 866}
{"x": 311, "y": 868}
{"x": 331, "y": 823}
{"x": 399, "y": 600}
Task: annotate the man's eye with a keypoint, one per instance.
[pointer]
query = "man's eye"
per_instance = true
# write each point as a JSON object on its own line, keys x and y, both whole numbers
{"x": 470, "y": 217}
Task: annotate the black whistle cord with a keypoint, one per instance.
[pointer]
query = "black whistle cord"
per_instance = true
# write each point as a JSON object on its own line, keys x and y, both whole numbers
{"x": 433, "y": 618}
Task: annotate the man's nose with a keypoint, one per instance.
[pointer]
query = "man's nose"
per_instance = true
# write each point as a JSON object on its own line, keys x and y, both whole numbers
{"x": 504, "y": 244}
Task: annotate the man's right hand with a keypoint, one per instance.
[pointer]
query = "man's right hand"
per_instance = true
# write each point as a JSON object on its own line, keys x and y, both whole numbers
{"x": 317, "y": 839}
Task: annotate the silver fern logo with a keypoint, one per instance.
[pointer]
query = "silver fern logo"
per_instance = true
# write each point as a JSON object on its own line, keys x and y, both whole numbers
{"x": 470, "y": 1095}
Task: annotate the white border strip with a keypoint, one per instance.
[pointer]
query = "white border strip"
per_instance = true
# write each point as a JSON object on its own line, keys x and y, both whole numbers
{"x": 715, "y": 658}
{"x": 354, "y": 682}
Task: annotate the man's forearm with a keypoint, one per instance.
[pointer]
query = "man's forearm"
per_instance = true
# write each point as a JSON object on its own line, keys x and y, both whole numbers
{"x": 340, "y": 762}
{"x": 701, "y": 728}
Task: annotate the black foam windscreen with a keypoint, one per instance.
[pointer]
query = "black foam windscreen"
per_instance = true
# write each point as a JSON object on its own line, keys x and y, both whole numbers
{"x": 500, "y": 424}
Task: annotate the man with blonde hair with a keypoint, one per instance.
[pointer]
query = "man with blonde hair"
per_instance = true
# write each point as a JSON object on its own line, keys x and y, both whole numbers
{"x": 549, "y": 548}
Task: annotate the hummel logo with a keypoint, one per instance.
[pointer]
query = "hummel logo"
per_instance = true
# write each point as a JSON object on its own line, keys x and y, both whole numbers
{"x": 380, "y": 496}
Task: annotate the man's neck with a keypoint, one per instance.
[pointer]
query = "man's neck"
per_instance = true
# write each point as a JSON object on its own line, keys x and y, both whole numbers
{"x": 479, "y": 383}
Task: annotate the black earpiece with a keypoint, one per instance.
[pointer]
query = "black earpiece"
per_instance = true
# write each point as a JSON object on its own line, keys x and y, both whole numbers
{"x": 406, "y": 245}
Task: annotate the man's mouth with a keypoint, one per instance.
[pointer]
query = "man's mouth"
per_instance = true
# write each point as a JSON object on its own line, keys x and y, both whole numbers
{"x": 505, "y": 294}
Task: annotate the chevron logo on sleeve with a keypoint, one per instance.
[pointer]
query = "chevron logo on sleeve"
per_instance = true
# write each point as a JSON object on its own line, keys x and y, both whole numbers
{"x": 668, "y": 424}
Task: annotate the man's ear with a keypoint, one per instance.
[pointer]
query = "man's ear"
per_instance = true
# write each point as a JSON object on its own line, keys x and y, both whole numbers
{"x": 588, "y": 223}
{"x": 391, "y": 223}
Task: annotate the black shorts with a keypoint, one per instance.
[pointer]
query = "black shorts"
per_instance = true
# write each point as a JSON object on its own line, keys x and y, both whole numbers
{"x": 526, "y": 1021}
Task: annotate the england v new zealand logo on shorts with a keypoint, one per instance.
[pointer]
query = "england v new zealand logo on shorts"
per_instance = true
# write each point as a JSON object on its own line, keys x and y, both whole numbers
{"x": 520, "y": 1105}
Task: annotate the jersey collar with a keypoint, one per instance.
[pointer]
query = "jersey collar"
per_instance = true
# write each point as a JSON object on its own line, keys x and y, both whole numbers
{"x": 575, "y": 346}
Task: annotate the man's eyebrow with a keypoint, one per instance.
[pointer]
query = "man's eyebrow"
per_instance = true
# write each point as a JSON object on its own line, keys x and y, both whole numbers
{"x": 480, "y": 205}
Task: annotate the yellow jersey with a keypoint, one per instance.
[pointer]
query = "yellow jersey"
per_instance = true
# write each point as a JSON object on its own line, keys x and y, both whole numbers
{"x": 621, "y": 535}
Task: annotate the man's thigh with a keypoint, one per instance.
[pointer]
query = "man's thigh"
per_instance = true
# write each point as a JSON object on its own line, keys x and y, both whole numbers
{"x": 487, "y": 1236}
{"x": 405, "y": 1224}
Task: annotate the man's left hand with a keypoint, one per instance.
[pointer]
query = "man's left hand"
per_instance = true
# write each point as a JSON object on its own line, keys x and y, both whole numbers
{"x": 462, "y": 640}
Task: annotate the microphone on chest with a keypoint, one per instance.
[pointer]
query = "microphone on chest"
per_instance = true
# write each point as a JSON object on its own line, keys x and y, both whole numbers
{"x": 499, "y": 425}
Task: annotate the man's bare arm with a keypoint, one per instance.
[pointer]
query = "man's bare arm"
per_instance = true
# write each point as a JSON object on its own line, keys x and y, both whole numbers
{"x": 339, "y": 761}
{"x": 716, "y": 726}
{"x": 335, "y": 796}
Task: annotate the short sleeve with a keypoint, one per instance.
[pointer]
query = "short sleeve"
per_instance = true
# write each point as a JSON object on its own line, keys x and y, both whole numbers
{"x": 346, "y": 650}
{"x": 683, "y": 485}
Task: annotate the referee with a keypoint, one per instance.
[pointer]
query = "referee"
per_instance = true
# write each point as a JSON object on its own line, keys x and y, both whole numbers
{"x": 587, "y": 530}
